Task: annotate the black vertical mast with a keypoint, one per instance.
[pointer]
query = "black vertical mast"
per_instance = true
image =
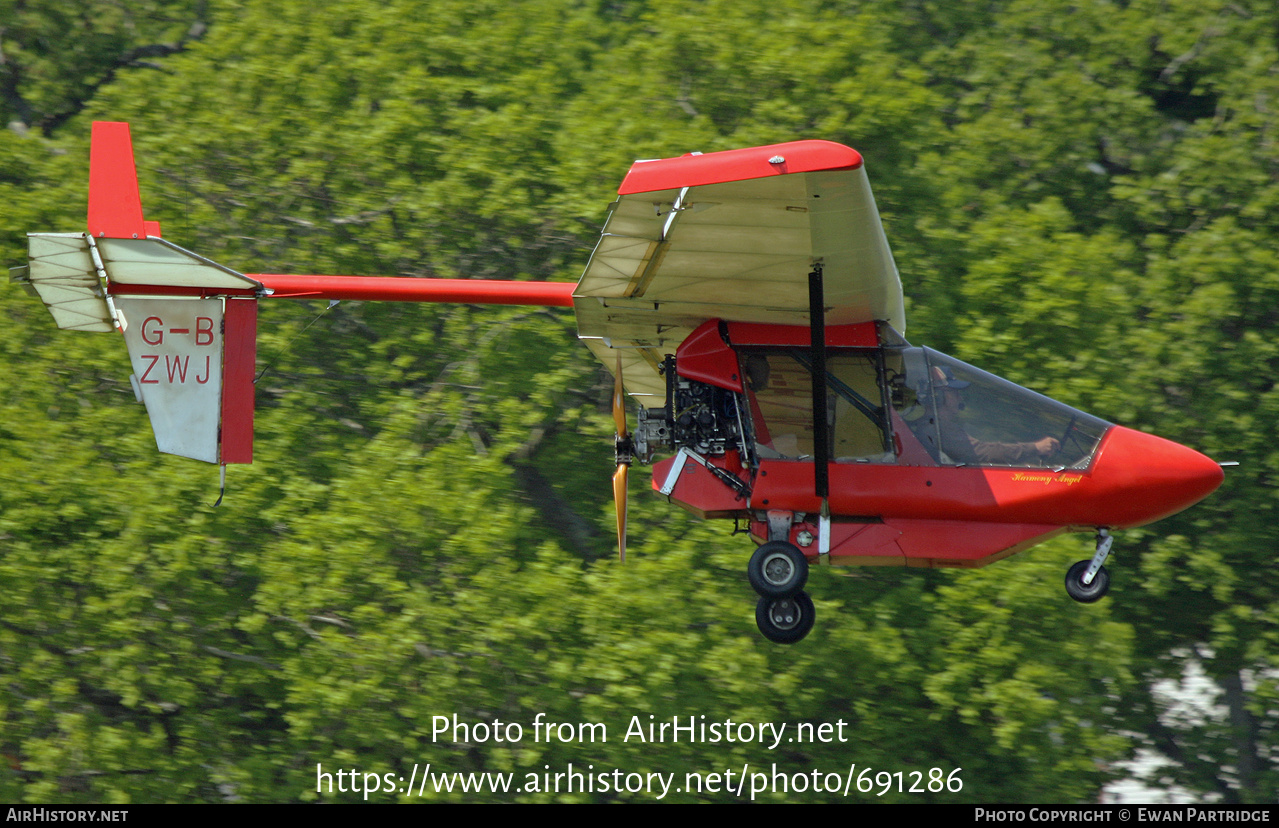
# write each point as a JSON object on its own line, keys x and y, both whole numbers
{"x": 817, "y": 326}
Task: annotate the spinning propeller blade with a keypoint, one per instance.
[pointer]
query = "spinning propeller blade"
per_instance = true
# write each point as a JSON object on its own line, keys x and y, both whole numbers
{"x": 624, "y": 458}
{"x": 619, "y": 401}
{"x": 619, "y": 498}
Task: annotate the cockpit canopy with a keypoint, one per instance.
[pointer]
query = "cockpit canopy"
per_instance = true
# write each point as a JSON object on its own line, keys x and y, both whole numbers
{"x": 910, "y": 406}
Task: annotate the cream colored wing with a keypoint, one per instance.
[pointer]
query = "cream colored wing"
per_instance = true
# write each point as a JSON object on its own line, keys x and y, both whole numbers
{"x": 732, "y": 235}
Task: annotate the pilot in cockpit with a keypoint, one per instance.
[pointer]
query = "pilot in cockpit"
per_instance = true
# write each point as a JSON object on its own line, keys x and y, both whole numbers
{"x": 964, "y": 449}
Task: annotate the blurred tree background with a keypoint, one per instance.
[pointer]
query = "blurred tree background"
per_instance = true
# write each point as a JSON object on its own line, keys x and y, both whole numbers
{"x": 1079, "y": 195}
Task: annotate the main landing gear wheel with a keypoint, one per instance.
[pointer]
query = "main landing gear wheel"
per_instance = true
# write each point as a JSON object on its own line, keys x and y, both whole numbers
{"x": 785, "y": 620}
{"x": 777, "y": 570}
{"x": 1086, "y": 593}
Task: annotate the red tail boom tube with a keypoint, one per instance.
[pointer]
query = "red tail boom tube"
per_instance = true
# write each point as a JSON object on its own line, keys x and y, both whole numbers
{"x": 401, "y": 289}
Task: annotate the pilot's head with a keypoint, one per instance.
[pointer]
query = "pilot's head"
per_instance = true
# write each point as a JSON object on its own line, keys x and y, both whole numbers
{"x": 948, "y": 390}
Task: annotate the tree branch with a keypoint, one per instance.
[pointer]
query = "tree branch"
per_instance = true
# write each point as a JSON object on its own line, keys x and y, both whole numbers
{"x": 130, "y": 59}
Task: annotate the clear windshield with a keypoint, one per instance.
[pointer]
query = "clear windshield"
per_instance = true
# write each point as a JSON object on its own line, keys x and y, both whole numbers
{"x": 911, "y": 406}
{"x": 961, "y": 415}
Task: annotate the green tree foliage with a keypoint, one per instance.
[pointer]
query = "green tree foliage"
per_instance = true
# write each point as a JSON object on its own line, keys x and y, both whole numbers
{"x": 54, "y": 57}
{"x": 1078, "y": 196}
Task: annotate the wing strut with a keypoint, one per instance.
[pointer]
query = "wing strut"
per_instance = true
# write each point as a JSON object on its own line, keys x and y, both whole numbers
{"x": 817, "y": 326}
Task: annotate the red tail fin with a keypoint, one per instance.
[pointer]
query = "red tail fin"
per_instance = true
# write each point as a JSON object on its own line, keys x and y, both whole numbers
{"x": 115, "y": 207}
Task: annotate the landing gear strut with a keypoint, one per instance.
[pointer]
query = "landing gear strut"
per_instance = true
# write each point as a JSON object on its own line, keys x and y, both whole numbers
{"x": 1087, "y": 581}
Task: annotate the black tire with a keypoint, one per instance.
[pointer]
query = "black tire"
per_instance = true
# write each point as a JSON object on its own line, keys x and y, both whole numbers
{"x": 777, "y": 570}
{"x": 785, "y": 620}
{"x": 1086, "y": 593}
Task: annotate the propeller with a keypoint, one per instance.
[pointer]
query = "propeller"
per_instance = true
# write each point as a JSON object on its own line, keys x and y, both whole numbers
{"x": 625, "y": 452}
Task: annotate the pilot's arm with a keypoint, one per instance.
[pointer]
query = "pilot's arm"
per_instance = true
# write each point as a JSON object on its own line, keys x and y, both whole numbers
{"x": 1015, "y": 453}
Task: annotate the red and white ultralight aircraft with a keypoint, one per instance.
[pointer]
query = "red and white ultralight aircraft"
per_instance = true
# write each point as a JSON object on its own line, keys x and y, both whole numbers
{"x": 748, "y": 301}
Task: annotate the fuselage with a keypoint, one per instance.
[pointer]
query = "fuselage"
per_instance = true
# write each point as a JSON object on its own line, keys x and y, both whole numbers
{"x": 929, "y": 461}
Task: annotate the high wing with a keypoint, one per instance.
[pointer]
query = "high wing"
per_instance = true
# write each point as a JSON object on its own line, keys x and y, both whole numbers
{"x": 732, "y": 235}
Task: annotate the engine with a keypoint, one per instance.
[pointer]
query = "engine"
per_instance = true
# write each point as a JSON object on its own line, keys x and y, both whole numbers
{"x": 700, "y": 417}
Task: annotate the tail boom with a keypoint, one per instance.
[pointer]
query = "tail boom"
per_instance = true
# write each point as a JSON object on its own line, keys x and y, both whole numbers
{"x": 401, "y": 289}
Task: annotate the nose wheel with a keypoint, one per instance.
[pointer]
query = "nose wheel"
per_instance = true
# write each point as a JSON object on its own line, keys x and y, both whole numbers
{"x": 1088, "y": 581}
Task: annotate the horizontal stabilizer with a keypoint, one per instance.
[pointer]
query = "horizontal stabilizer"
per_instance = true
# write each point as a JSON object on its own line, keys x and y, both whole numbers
{"x": 162, "y": 264}
{"x": 63, "y": 275}
{"x": 73, "y": 273}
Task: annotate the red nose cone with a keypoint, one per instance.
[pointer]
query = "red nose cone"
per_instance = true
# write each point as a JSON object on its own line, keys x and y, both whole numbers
{"x": 1150, "y": 477}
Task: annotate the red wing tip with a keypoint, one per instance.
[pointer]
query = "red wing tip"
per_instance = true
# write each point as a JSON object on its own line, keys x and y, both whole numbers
{"x": 738, "y": 165}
